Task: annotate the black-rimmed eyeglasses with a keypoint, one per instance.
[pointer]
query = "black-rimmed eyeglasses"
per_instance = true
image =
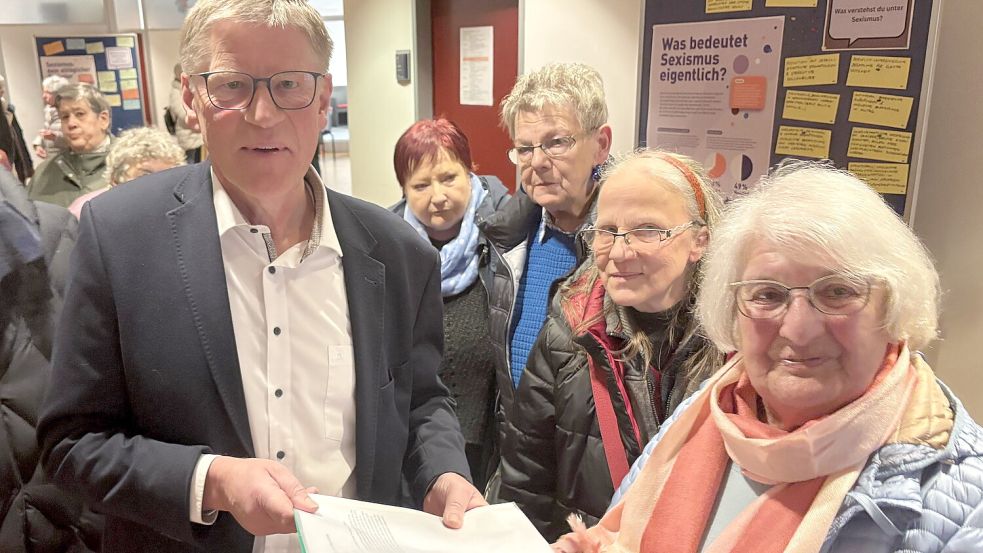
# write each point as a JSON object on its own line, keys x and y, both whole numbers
{"x": 234, "y": 90}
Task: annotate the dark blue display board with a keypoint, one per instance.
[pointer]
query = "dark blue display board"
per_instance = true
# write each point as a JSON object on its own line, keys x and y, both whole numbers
{"x": 856, "y": 30}
{"x": 111, "y": 63}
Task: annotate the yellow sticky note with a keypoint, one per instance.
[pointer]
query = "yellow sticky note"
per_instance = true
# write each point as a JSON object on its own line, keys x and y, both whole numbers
{"x": 803, "y": 142}
{"x": 128, "y": 84}
{"x": 886, "y": 178}
{"x": 881, "y": 109}
{"x": 791, "y": 3}
{"x": 879, "y": 72}
{"x": 723, "y": 6}
{"x": 812, "y": 70}
{"x": 114, "y": 100}
{"x": 107, "y": 86}
{"x": 94, "y": 47}
{"x": 106, "y": 76}
{"x": 53, "y": 48}
{"x": 817, "y": 107}
{"x": 124, "y": 41}
{"x": 130, "y": 73}
{"x": 879, "y": 144}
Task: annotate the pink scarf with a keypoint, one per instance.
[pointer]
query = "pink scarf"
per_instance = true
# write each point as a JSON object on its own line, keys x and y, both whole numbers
{"x": 812, "y": 468}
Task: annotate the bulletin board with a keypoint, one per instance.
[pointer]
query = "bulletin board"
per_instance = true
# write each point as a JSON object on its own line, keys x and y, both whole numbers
{"x": 111, "y": 63}
{"x": 740, "y": 85}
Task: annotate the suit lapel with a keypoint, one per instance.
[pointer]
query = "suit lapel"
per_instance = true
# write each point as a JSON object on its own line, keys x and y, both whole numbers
{"x": 365, "y": 288}
{"x": 199, "y": 253}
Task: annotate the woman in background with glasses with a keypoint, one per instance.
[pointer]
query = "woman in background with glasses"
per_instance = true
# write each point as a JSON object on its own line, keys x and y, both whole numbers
{"x": 826, "y": 432}
{"x": 557, "y": 120}
{"x": 620, "y": 348}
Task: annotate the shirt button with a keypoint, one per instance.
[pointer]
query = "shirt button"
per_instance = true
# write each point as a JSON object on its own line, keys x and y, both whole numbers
{"x": 254, "y": 231}
{"x": 280, "y": 454}
{"x": 272, "y": 270}
{"x": 276, "y": 331}
{"x": 278, "y": 392}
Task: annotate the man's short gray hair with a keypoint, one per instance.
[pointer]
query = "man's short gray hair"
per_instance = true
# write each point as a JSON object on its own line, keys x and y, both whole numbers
{"x": 195, "y": 33}
{"x": 814, "y": 212}
{"x": 85, "y": 92}
{"x": 52, "y": 83}
{"x": 137, "y": 145}
{"x": 559, "y": 85}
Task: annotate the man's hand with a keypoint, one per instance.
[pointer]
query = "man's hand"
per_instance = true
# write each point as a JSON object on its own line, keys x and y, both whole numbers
{"x": 450, "y": 496}
{"x": 40, "y": 152}
{"x": 260, "y": 494}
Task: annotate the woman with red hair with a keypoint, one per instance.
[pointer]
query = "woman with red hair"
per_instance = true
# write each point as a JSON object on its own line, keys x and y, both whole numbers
{"x": 443, "y": 200}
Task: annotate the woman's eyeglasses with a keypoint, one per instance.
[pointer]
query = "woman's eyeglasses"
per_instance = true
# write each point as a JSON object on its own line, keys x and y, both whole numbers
{"x": 832, "y": 295}
{"x": 602, "y": 240}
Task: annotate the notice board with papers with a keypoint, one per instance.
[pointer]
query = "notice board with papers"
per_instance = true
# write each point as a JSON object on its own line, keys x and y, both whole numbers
{"x": 740, "y": 85}
{"x": 111, "y": 63}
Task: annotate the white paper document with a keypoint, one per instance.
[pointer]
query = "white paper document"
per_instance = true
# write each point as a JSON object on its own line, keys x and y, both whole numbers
{"x": 349, "y": 526}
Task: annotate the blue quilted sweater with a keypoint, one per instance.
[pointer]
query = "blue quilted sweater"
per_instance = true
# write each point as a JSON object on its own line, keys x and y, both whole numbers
{"x": 908, "y": 499}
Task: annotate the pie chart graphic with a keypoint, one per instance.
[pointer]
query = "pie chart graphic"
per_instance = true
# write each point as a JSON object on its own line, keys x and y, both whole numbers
{"x": 741, "y": 167}
{"x": 717, "y": 164}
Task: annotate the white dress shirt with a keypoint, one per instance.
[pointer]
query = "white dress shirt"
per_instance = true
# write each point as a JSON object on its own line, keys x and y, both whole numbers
{"x": 294, "y": 343}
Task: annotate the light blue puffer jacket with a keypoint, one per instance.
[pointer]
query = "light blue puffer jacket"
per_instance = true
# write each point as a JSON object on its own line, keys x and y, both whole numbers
{"x": 908, "y": 499}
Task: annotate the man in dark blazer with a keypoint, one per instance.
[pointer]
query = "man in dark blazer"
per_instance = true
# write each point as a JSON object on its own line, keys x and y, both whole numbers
{"x": 149, "y": 413}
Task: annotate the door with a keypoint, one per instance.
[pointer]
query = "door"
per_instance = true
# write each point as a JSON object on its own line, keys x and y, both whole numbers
{"x": 489, "y": 141}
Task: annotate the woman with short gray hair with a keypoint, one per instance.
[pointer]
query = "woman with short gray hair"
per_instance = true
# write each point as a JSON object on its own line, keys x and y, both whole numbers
{"x": 85, "y": 120}
{"x": 556, "y": 117}
{"x": 827, "y": 431}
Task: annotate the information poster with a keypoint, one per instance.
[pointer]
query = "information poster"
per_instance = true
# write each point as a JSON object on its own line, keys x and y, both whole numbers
{"x": 839, "y": 81}
{"x": 477, "y": 65}
{"x": 868, "y": 25}
{"x": 79, "y": 69}
{"x": 713, "y": 95}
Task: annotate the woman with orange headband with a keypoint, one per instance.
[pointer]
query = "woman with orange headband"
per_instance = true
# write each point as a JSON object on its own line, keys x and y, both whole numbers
{"x": 620, "y": 347}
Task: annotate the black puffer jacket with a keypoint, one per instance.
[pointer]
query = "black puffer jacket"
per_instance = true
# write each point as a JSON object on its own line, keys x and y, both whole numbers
{"x": 508, "y": 234}
{"x": 35, "y": 242}
{"x": 553, "y": 460}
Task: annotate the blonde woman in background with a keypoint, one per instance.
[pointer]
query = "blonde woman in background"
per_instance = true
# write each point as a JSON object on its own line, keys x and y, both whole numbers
{"x": 137, "y": 152}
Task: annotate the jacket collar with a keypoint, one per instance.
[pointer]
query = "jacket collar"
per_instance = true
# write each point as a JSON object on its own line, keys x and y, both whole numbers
{"x": 891, "y": 488}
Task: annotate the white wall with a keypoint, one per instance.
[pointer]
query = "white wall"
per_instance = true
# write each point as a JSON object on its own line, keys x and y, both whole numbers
{"x": 161, "y": 55}
{"x": 950, "y": 197}
{"x": 379, "y": 108}
{"x": 606, "y": 37}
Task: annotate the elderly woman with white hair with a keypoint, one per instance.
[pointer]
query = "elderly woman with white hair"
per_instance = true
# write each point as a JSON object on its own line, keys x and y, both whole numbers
{"x": 827, "y": 431}
{"x": 50, "y": 141}
{"x": 85, "y": 121}
{"x": 137, "y": 152}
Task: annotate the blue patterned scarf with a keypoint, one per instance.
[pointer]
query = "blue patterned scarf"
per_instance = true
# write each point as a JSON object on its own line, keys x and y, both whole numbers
{"x": 459, "y": 257}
